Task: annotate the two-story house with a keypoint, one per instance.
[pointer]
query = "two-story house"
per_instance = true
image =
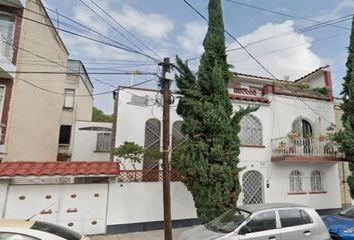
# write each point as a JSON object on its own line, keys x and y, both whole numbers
{"x": 287, "y": 150}
{"x": 38, "y": 85}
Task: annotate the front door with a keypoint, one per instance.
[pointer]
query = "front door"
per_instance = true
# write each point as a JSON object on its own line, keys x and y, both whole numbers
{"x": 262, "y": 226}
{"x": 252, "y": 185}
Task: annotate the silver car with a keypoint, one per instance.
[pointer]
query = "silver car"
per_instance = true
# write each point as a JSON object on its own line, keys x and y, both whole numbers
{"x": 262, "y": 222}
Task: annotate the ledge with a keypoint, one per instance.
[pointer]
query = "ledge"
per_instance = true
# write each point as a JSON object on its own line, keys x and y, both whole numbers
{"x": 252, "y": 146}
{"x": 323, "y": 192}
{"x": 307, "y": 159}
{"x": 297, "y": 193}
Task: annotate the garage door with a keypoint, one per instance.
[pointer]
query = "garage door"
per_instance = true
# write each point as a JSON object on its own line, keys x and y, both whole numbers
{"x": 81, "y": 207}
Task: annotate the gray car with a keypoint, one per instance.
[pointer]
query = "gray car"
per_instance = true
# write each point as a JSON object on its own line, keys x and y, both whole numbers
{"x": 262, "y": 222}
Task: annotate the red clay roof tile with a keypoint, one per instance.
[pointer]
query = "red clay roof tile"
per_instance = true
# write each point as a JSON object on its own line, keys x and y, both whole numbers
{"x": 12, "y": 169}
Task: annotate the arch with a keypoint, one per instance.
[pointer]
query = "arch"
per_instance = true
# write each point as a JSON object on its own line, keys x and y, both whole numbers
{"x": 302, "y": 126}
{"x": 252, "y": 187}
{"x": 152, "y": 141}
{"x": 317, "y": 181}
{"x": 251, "y": 132}
{"x": 296, "y": 181}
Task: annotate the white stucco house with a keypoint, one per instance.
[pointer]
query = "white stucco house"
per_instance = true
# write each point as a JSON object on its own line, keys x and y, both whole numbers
{"x": 286, "y": 150}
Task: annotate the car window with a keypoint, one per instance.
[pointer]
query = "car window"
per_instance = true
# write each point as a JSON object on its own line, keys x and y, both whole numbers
{"x": 349, "y": 212}
{"x": 56, "y": 230}
{"x": 228, "y": 221}
{"x": 16, "y": 236}
{"x": 261, "y": 222}
{"x": 289, "y": 218}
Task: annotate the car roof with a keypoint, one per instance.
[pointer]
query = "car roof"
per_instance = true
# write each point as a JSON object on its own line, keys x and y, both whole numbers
{"x": 258, "y": 207}
{"x": 16, "y": 223}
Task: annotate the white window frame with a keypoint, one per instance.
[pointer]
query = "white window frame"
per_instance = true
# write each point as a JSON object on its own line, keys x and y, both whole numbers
{"x": 246, "y": 139}
{"x": 296, "y": 182}
{"x": 7, "y": 46}
{"x": 3, "y": 100}
{"x": 317, "y": 181}
{"x": 101, "y": 144}
{"x": 69, "y": 103}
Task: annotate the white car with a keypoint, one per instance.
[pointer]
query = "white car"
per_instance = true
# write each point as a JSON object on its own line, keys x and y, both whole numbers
{"x": 262, "y": 222}
{"x": 36, "y": 230}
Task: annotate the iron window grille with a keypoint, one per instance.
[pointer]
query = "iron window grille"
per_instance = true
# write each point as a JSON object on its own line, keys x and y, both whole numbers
{"x": 251, "y": 131}
{"x": 103, "y": 142}
{"x": 296, "y": 181}
{"x": 317, "y": 181}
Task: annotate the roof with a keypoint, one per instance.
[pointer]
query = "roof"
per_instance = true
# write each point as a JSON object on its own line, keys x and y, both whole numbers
{"x": 258, "y": 207}
{"x": 313, "y": 72}
{"x": 25, "y": 169}
{"x": 16, "y": 223}
{"x": 248, "y": 98}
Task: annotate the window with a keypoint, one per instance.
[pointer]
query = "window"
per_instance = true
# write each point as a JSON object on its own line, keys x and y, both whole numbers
{"x": 152, "y": 141}
{"x": 289, "y": 218}
{"x": 261, "y": 222}
{"x": 103, "y": 142}
{"x": 251, "y": 131}
{"x": 295, "y": 180}
{"x": 317, "y": 181}
{"x": 69, "y": 98}
{"x": 6, "y": 30}
{"x": 65, "y": 134}
{"x": 15, "y": 236}
{"x": 2, "y": 96}
{"x": 302, "y": 127}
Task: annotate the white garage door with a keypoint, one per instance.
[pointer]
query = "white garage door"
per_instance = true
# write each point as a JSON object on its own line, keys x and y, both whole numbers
{"x": 81, "y": 207}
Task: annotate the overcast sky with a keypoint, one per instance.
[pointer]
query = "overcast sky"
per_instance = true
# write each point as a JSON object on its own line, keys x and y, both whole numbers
{"x": 170, "y": 28}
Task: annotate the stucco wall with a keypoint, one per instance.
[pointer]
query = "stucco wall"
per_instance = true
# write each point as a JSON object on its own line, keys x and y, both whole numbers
{"x": 142, "y": 202}
{"x": 35, "y": 114}
{"x": 84, "y": 142}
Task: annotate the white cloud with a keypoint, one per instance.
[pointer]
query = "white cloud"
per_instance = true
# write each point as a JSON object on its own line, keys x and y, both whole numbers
{"x": 192, "y": 37}
{"x": 290, "y": 55}
{"x": 90, "y": 19}
{"x": 152, "y": 25}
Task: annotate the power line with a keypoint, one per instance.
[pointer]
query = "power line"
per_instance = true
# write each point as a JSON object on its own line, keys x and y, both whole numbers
{"x": 90, "y": 73}
{"x": 279, "y": 13}
{"x": 131, "y": 34}
{"x": 235, "y": 39}
{"x": 115, "y": 29}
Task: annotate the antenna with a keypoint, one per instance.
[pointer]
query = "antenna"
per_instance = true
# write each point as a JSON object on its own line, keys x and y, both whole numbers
{"x": 36, "y": 214}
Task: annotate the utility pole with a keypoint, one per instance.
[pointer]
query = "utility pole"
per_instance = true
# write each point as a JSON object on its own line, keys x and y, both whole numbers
{"x": 166, "y": 92}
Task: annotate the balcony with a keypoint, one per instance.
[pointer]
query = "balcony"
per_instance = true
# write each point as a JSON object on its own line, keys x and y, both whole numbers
{"x": 7, "y": 68}
{"x": 288, "y": 149}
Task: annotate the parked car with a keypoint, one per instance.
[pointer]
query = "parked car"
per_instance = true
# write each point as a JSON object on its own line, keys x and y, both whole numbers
{"x": 341, "y": 225}
{"x": 36, "y": 230}
{"x": 262, "y": 222}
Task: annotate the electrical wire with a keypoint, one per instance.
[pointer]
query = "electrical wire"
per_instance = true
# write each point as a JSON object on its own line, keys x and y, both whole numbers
{"x": 125, "y": 29}
{"x": 116, "y": 30}
{"x": 235, "y": 39}
{"x": 279, "y": 13}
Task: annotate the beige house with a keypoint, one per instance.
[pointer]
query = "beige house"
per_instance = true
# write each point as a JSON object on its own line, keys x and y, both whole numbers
{"x": 42, "y": 92}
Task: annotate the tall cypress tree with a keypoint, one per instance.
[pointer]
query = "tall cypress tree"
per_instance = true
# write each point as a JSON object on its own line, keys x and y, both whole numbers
{"x": 346, "y": 136}
{"x": 207, "y": 162}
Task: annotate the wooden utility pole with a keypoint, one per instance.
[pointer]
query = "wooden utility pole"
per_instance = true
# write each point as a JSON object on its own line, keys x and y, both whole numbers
{"x": 166, "y": 92}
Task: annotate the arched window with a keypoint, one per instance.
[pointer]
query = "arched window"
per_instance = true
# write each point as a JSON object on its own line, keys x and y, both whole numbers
{"x": 302, "y": 127}
{"x": 152, "y": 141}
{"x": 251, "y": 130}
{"x": 296, "y": 181}
{"x": 317, "y": 181}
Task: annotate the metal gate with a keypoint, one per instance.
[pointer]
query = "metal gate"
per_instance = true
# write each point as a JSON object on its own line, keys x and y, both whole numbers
{"x": 252, "y": 184}
{"x": 81, "y": 207}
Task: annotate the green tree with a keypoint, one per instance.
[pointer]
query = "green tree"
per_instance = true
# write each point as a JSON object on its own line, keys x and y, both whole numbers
{"x": 99, "y": 116}
{"x": 207, "y": 162}
{"x": 346, "y": 136}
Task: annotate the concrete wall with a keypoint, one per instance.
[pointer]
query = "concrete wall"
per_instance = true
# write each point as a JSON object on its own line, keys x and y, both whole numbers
{"x": 142, "y": 202}
{"x": 35, "y": 114}
{"x": 84, "y": 142}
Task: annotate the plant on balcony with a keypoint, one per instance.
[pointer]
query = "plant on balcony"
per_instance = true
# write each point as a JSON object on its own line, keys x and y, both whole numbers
{"x": 322, "y": 138}
{"x": 308, "y": 136}
{"x": 322, "y": 90}
{"x": 293, "y": 135}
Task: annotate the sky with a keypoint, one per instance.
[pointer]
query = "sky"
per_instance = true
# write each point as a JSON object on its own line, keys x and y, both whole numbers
{"x": 307, "y": 35}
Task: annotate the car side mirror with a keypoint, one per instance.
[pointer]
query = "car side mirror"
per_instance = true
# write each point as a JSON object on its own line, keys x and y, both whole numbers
{"x": 244, "y": 230}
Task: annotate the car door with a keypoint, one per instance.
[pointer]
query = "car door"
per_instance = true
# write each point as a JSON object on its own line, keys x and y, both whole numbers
{"x": 263, "y": 226}
{"x": 296, "y": 224}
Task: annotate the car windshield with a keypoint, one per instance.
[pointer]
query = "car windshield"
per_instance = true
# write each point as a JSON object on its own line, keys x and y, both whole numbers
{"x": 228, "y": 221}
{"x": 349, "y": 212}
{"x": 56, "y": 230}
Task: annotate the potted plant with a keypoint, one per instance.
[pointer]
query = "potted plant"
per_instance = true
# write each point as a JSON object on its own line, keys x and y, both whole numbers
{"x": 308, "y": 136}
{"x": 322, "y": 138}
{"x": 293, "y": 135}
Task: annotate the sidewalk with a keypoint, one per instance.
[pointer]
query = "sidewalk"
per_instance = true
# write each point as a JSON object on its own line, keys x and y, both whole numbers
{"x": 150, "y": 235}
